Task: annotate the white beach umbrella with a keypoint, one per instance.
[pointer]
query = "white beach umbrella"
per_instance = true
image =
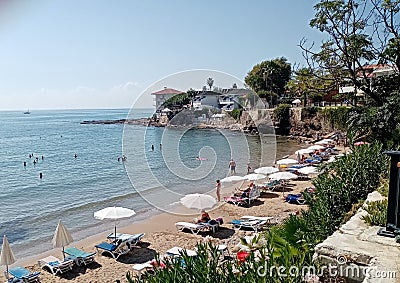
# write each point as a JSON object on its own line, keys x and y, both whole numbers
{"x": 304, "y": 151}
{"x": 61, "y": 237}
{"x": 198, "y": 201}
{"x": 283, "y": 176}
{"x": 331, "y": 159}
{"x": 308, "y": 170}
{"x": 324, "y": 141}
{"x": 7, "y": 255}
{"x": 232, "y": 179}
{"x": 266, "y": 170}
{"x": 316, "y": 147}
{"x": 286, "y": 161}
{"x": 255, "y": 176}
{"x": 115, "y": 213}
{"x": 296, "y": 101}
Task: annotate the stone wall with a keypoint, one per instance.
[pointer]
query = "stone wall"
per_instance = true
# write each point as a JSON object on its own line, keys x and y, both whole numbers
{"x": 359, "y": 253}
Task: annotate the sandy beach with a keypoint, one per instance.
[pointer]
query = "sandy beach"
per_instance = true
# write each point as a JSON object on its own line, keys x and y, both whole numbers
{"x": 161, "y": 235}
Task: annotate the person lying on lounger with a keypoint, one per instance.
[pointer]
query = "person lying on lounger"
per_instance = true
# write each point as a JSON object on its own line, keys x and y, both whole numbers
{"x": 205, "y": 217}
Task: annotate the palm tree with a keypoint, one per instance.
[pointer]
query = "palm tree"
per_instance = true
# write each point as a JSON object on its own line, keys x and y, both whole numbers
{"x": 210, "y": 82}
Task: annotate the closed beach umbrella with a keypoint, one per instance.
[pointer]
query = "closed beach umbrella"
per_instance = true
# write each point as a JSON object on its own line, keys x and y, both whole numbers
{"x": 266, "y": 170}
{"x": 255, "y": 176}
{"x": 61, "y": 237}
{"x": 286, "y": 161}
{"x": 115, "y": 213}
{"x": 316, "y": 147}
{"x": 232, "y": 179}
{"x": 7, "y": 255}
{"x": 283, "y": 176}
{"x": 198, "y": 201}
{"x": 308, "y": 170}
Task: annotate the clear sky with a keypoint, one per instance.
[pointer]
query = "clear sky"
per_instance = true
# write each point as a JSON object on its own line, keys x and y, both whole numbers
{"x": 61, "y": 54}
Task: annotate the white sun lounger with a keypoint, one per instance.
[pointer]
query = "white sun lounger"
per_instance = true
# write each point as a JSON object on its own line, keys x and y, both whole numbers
{"x": 252, "y": 224}
{"x": 265, "y": 218}
{"x": 132, "y": 239}
{"x": 55, "y": 265}
{"x": 194, "y": 228}
{"x": 177, "y": 251}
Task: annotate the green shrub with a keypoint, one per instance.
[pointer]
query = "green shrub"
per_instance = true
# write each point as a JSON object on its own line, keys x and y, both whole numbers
{"x": 236, "y": 113}
{"x": 312, "y": 110}
{"x": 352, "y": 211}
{"x": 377, "y": 213}
{"x": 338, "y": 117}
{"x": 282, "y": 115}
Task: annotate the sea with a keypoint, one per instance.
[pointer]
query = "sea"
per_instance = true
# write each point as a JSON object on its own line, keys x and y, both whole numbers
{"x": 73, "y": 170}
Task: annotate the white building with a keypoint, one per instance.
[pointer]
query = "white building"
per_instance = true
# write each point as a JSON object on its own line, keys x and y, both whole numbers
{"x": 161, "y": 96}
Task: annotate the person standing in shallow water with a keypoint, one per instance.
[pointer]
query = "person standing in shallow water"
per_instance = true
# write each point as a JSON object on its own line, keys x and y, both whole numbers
{"x": 232, "y": 166}
{"x": 218, "y": 190}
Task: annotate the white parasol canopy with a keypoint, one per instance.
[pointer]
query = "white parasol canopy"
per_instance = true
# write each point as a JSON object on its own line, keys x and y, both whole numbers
{"x": 7, "y": 255}
{"x": 316, "y": 147}
{"x": 296, "y": 101}
{"x": 266, "y": 170}
{"x": 283, "y": 176}
{"x": 61, "y": 237}
{"x": 304, "y": 151}
{"x": 308, "y": 170}
{"x": 114, "y": 212}
{"x": 198, "y": 201}
{"x": 232, "y": 179}
{"x": 255, "y": 176}
{"x": 286, "y": 161}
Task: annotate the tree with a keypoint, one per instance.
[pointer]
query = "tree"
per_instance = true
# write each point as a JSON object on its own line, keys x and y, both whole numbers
{"x": 359, "y": 31}
{"x": 270, "y": 76}
{"x": 191, "y": 93}
{"x": 304, "y": 84}
{"x": 210, "y": 82}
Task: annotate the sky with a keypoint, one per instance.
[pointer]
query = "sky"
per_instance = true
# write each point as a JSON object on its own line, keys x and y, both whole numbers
{"x": 74, "y": 54}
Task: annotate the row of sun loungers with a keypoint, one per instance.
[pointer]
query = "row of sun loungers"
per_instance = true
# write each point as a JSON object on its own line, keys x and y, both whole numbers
{"x": 118, "y": 245}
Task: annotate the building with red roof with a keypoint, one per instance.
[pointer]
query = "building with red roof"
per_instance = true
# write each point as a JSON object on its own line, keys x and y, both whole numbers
{"x": 161, "y": 96}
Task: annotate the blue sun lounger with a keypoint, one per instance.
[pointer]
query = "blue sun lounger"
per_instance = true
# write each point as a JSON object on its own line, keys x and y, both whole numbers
{"x": 21, "y": 274}
{"x": 121, "y": 247}
{"x": 80, "y": 257}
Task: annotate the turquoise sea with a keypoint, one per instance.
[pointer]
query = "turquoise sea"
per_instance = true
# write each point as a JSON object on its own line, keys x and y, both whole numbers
{"x": 73, "y": 188}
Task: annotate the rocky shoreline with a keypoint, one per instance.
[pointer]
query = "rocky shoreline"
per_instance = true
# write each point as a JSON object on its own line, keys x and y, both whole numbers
{"x": 303, "y": 128}
{"x": 141, "y": 121}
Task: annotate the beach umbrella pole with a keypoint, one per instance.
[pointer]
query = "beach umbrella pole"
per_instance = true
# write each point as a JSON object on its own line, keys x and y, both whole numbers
{"x": 115, "y": 230}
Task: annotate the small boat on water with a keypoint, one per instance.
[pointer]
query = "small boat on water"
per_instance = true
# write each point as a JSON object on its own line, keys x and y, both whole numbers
{"x": 27, "y": 112}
